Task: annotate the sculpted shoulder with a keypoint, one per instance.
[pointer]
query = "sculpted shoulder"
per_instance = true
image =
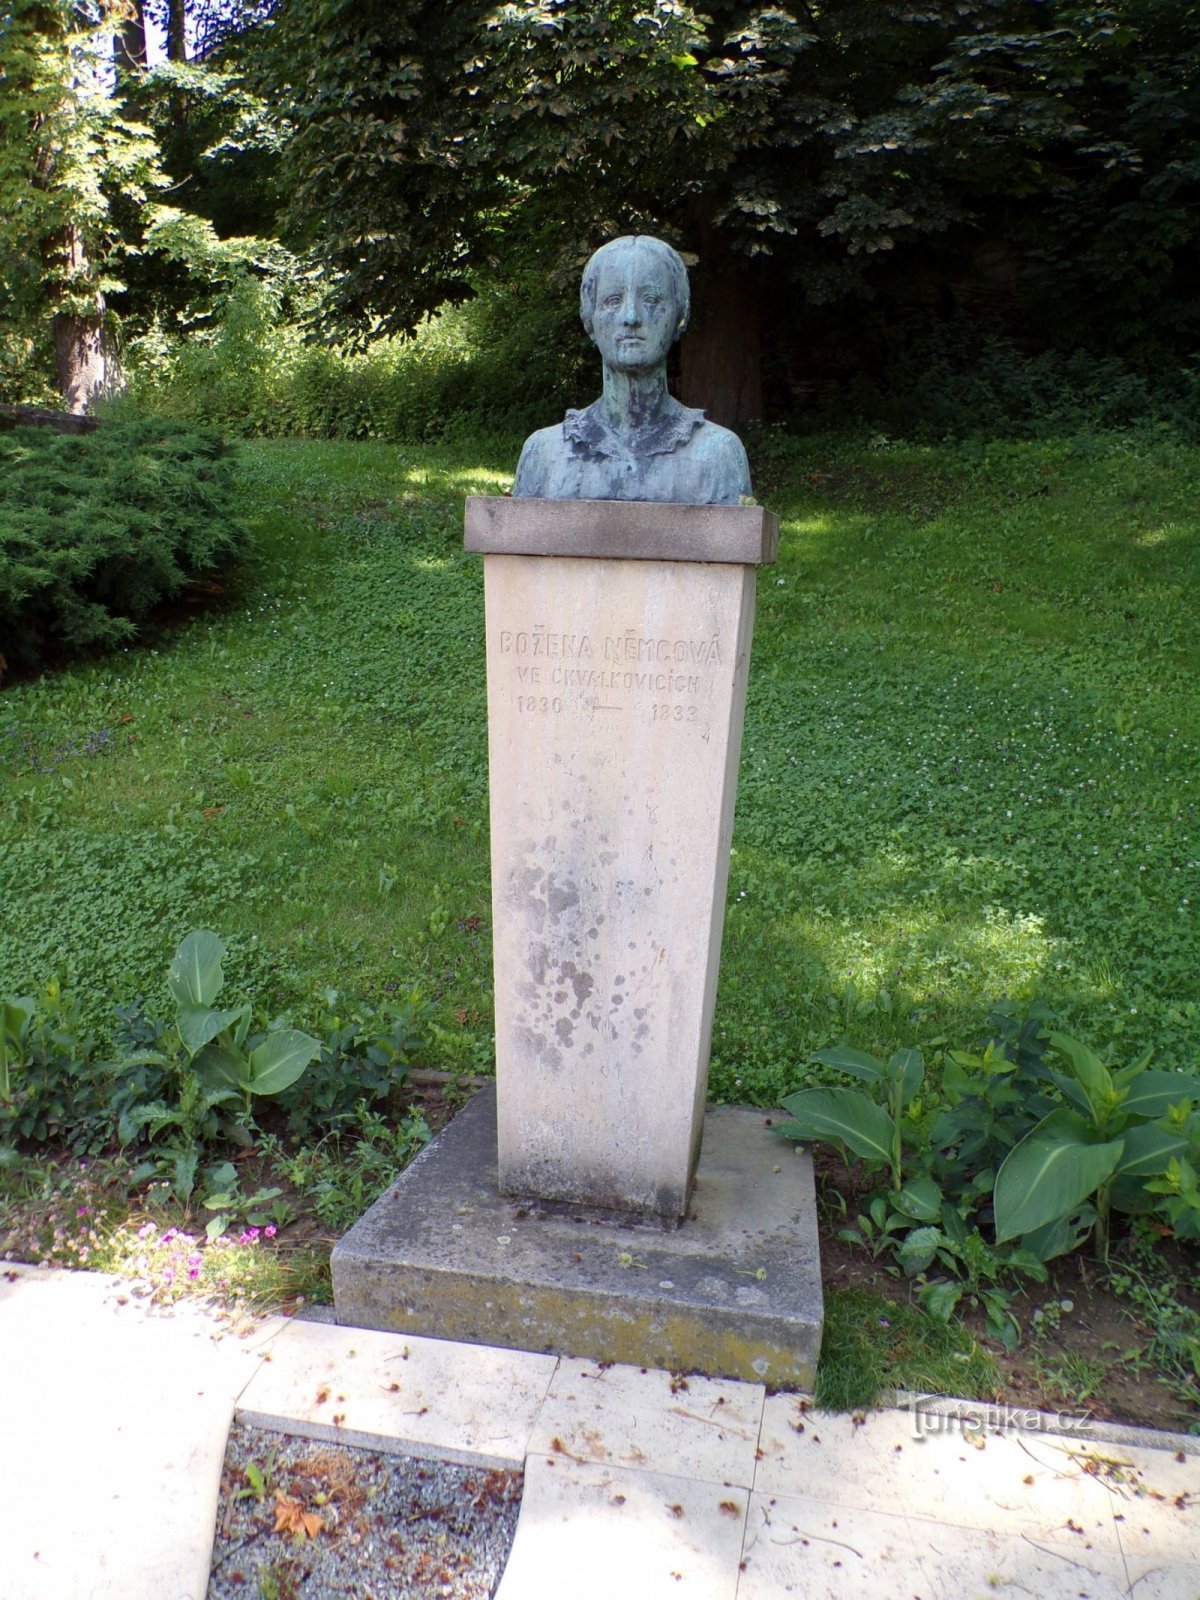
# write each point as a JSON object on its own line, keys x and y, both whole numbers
{"x": 725, "y": 454}
{"x": 541, "y": 452}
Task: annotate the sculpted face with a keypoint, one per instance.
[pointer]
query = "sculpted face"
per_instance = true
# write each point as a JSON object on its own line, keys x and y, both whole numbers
{"x": 636, "y": 317}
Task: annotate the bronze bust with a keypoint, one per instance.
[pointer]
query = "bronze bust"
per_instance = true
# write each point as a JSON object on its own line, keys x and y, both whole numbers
{"x": 636, "y": 442}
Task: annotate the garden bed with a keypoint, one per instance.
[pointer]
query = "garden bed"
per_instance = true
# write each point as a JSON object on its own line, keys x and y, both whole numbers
{"x": 1116, "y": 1344}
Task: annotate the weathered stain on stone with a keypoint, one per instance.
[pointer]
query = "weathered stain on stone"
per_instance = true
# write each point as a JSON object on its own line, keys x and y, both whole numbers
{"x": 538, "y": 957}
{"x": 560, "y": 897}
{"x": 537, "y": 1046}
{"x": 582, "y": 983}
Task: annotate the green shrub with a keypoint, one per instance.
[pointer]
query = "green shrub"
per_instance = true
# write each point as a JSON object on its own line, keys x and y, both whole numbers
{"x": 51, "y": 1088}
{"x": 1017, "y": 1155}
{"x": 364, "y": 1056}
{"x": 510, "y": 358}
{"x": 513, "y": 358}
{"x": 932, "y": 381}
{"x": 98, "y": 529}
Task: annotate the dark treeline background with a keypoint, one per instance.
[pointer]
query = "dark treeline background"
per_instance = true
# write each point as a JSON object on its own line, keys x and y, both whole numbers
{"x": 879, "y": 199}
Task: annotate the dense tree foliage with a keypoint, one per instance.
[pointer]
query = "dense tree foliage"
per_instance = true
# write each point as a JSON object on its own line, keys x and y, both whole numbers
{"x": 67, "y": 150}
{"x": 840, "y": 155}
{"x": 848, "y": 170}
{"x": 128, "y": 192}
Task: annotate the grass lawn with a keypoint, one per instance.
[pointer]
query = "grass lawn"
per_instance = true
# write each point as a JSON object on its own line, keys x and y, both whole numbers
{"x": 969, "y": 772}
{"x": 969, "y": 768}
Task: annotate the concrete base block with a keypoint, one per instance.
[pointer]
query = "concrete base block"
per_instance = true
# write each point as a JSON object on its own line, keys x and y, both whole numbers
{"x": 734, "y": 1292}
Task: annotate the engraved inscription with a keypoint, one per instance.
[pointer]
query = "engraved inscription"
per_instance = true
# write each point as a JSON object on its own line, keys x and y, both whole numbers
{"x": 541, "y": 641}
{"x": 630, "y": 646}
{"x": 579, "y": 674}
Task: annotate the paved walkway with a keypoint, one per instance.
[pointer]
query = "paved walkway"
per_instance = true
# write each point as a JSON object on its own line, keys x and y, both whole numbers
{"x": 637, "y": 1485}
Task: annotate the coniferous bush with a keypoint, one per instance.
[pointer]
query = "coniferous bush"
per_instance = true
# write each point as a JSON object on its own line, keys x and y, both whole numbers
{"x": 98, "y": 529}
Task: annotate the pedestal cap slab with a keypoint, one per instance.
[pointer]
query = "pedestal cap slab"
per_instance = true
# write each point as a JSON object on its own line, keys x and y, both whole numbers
{"x": 626, "y": 530}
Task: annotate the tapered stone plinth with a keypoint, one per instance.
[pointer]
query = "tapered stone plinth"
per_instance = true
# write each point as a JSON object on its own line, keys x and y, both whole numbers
{"x": 618, "y": 646}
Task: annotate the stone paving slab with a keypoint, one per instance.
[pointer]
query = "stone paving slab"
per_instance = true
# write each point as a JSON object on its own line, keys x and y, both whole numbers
{"x": 796, "y": 1545}
{"x": 702, "y": 1428}
{"x": 597, "y": 1532}
{"x": 1157, "y": 1503}
{"x": 1002, "y": 1482}
{"x": 115, "y": 1420}
{"x": 412, "y": 1396}
{"x": 1156, "y": 1580}
{"x": 116, "y": 1416}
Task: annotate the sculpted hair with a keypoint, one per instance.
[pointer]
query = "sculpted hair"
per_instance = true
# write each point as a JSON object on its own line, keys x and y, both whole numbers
{"x": 671, "y": 259}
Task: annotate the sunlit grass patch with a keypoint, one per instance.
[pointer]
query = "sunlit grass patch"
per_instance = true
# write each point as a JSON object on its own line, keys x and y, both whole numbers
{"x": 873, "y": 1345}
{"x": 969, "y": 764}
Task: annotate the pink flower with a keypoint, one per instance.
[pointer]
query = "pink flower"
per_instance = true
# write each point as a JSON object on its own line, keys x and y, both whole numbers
{"x": 193, "y": 1272}
{"x": 83, "y": 1211}
{"x": 270, "y": 1230}
{"x": 194, "y": 1261}
{"x": 147, "y": 1230}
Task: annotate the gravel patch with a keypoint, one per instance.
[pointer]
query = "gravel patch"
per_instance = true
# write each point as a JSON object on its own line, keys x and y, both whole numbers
{"x": 299, "y": 1519}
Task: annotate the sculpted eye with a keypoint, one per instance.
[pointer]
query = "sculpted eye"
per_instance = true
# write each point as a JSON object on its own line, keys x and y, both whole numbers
{"x": 612, "y": 300}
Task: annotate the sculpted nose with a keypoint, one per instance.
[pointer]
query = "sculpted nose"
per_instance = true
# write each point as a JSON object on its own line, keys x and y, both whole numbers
{"x": 630, "y": 313}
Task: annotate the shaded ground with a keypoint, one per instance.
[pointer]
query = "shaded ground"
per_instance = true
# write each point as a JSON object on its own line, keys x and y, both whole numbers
{"x": 1120, "y": 1343}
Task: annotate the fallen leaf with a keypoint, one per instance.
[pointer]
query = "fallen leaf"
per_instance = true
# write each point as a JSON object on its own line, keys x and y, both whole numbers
{"x": 291, "y": 1517}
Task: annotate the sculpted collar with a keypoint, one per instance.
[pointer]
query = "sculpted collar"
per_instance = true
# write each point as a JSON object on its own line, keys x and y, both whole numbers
{"x": 589, "y": 435}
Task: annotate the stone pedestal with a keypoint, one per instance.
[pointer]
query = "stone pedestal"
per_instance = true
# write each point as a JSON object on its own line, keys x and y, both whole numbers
{"x": 735, "y": 1292}
{"x": 618, "y": 645}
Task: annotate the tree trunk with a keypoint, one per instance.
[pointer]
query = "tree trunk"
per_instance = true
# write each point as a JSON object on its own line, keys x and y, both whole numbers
{"x": 82, "y": 363}
{"x": 721, "y": 355}
{"x": 176, "y": 30}
{"x": 129, "y": 54}
{"x": 79, "y": 336}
